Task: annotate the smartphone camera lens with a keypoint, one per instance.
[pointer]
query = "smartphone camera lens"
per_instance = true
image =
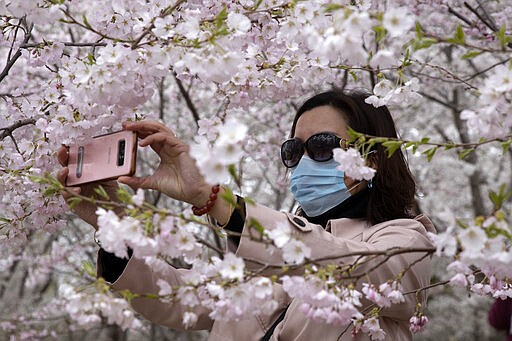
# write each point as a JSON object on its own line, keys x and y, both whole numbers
{"x": 120, "y": 152}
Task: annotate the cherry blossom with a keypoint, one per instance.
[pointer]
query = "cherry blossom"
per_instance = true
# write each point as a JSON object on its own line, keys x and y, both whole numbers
{"x": 295, "y": 251}
{"x": 236, "y": 70}
{"x": 352, "y": 164}
{"x": 417, "y": 324}
{"x": 397, "y": 21}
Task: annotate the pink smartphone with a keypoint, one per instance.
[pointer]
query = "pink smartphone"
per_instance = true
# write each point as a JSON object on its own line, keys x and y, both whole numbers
{"x": 106, "y": 157}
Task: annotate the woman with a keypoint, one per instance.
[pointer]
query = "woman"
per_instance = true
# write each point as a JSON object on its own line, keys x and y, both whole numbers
{"x": 500, "y": 316}
{"x": 338, "y": 215}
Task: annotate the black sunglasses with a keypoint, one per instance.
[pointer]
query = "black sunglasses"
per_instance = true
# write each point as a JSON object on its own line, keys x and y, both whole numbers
{"x": 319, "y": 147}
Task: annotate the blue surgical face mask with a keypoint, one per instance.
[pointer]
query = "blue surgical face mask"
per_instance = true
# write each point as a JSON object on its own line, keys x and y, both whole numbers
{"x": 318, "y": 186}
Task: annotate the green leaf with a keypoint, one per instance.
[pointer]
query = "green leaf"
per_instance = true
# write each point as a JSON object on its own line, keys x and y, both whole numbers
{"x": 50, "y": 191}
{"x": 458, "y": 38}
{"x": 91, "y": 59}
{"x": 392, "y": 146}
{"x": 502, "y": 37}
{"x": 221, "y": 18}
{"x": 5, "y": 220}
{"x": 37, "y": 179}
{"x": 354, "y": 135}
{"x": 152, "y": 296}
{"x": 123, "y": 195}
{"x": 253, "y": 223}
{"x": 492, "y": 231}
{"x": 233, "y": 173}
{"x": 376, "y": 140}
{"x": 89, "y": 268}
{"x": 229, "y": 197}
{"x": 249, "y": 201}
{"x": 332, "y": 7}
{"x": 73, "y": 202}
{"x": 419, "y": 30}
{"x": 465, "y": 152}
{"x": 430, "y": 153}
{"x": 255, "y": 7}
{"x": 380, "y": 33}
{"x": 406, "y": 61}
{"x": 423, "y": 43}
{"x": 506, "y": 146}
{"x": 500, "y": 197}
{"x": 450, "y": 145}
{"x": 459, "y": 34}
{"x": 472, "y": 54}
{"x": 128, "y": 295}
{"x": 86, "y": 23}
{"x": 414, "y": 145}
{"x": 353, "y": 74}
{"x": 495, "y": 199}
{"x": 102, "y": 193}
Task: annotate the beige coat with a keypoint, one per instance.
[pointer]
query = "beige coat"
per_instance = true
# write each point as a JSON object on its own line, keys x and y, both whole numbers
{"x": 341, "y": 236}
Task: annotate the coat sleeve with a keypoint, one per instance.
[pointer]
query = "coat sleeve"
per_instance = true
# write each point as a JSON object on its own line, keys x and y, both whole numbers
{"x": 499, "y": 314}
{"x": 407, "y": 233}
{"x": 139, "y": 278}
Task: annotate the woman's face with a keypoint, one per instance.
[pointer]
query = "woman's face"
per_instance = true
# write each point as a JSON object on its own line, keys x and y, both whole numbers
{"x": 321, "y": 119}
{"x": 324, "y": 119}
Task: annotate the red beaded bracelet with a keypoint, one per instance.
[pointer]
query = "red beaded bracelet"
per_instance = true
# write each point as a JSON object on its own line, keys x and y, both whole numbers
{"x": 209, "y": 204}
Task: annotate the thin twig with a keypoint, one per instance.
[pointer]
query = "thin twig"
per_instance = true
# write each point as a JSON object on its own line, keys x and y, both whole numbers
{"x": 11, "y": 61}
{"x": 68, "y": 44}
{"x": 460, "y": 16}
{"x": 487, "y": 69}
{"x": 487, "y": 21}
{"x": 187, "y": 98}
{"x": 7, "y": 131}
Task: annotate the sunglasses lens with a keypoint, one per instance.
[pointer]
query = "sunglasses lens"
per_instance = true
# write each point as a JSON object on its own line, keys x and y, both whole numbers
{"x": 291, "y": 152}
{"x": 320, "y": 146}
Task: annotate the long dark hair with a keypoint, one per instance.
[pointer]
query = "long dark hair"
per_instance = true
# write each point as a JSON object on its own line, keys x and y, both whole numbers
{"x": 393, "y": 187}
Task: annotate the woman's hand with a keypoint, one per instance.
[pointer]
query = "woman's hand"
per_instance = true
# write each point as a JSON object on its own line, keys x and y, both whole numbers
{"x": 85, "y": 210}
{"x": 177, "y": 175}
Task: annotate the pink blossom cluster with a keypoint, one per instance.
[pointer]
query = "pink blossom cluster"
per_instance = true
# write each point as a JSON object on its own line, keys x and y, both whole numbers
{"x": 352, "y": 164}
{"x": 387, "y": 93}
{"x": 88, "y": 310}
{"x": 492, "y": 116}
{"x": 385, "y": 295}
{"x": 335, "y": 305}
{"x": 116, "y": 235}
{"x": 214, "y": 160}
{"x": 293, "y": 250}
{"x": 473, "y": 248}
{"x": 418, "y": 323}
{"x": 228, "y": 296}
{"x": 371, "y": 326}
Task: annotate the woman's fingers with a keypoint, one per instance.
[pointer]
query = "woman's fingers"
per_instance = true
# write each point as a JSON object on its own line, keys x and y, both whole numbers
{"x": 160, "y": 137}
{"x": 164, "y": 142}
{"x": 137, "y": 182}
{"x": 61, "y": 177}
{"x": 63, "y": 155}
{"x": 146, "y": 128}
{"x": 62, "y": 174}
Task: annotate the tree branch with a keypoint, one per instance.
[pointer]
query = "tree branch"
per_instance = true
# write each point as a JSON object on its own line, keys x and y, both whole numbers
{"x": 11, "y": 61}
{"x": 187, "y": 98}
{"x": 7, "y": 131}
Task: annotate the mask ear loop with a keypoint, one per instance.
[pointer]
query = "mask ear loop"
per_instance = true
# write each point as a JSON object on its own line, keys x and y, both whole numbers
{"x": 369, "y": 183}
{"x": 354, "y": 186}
